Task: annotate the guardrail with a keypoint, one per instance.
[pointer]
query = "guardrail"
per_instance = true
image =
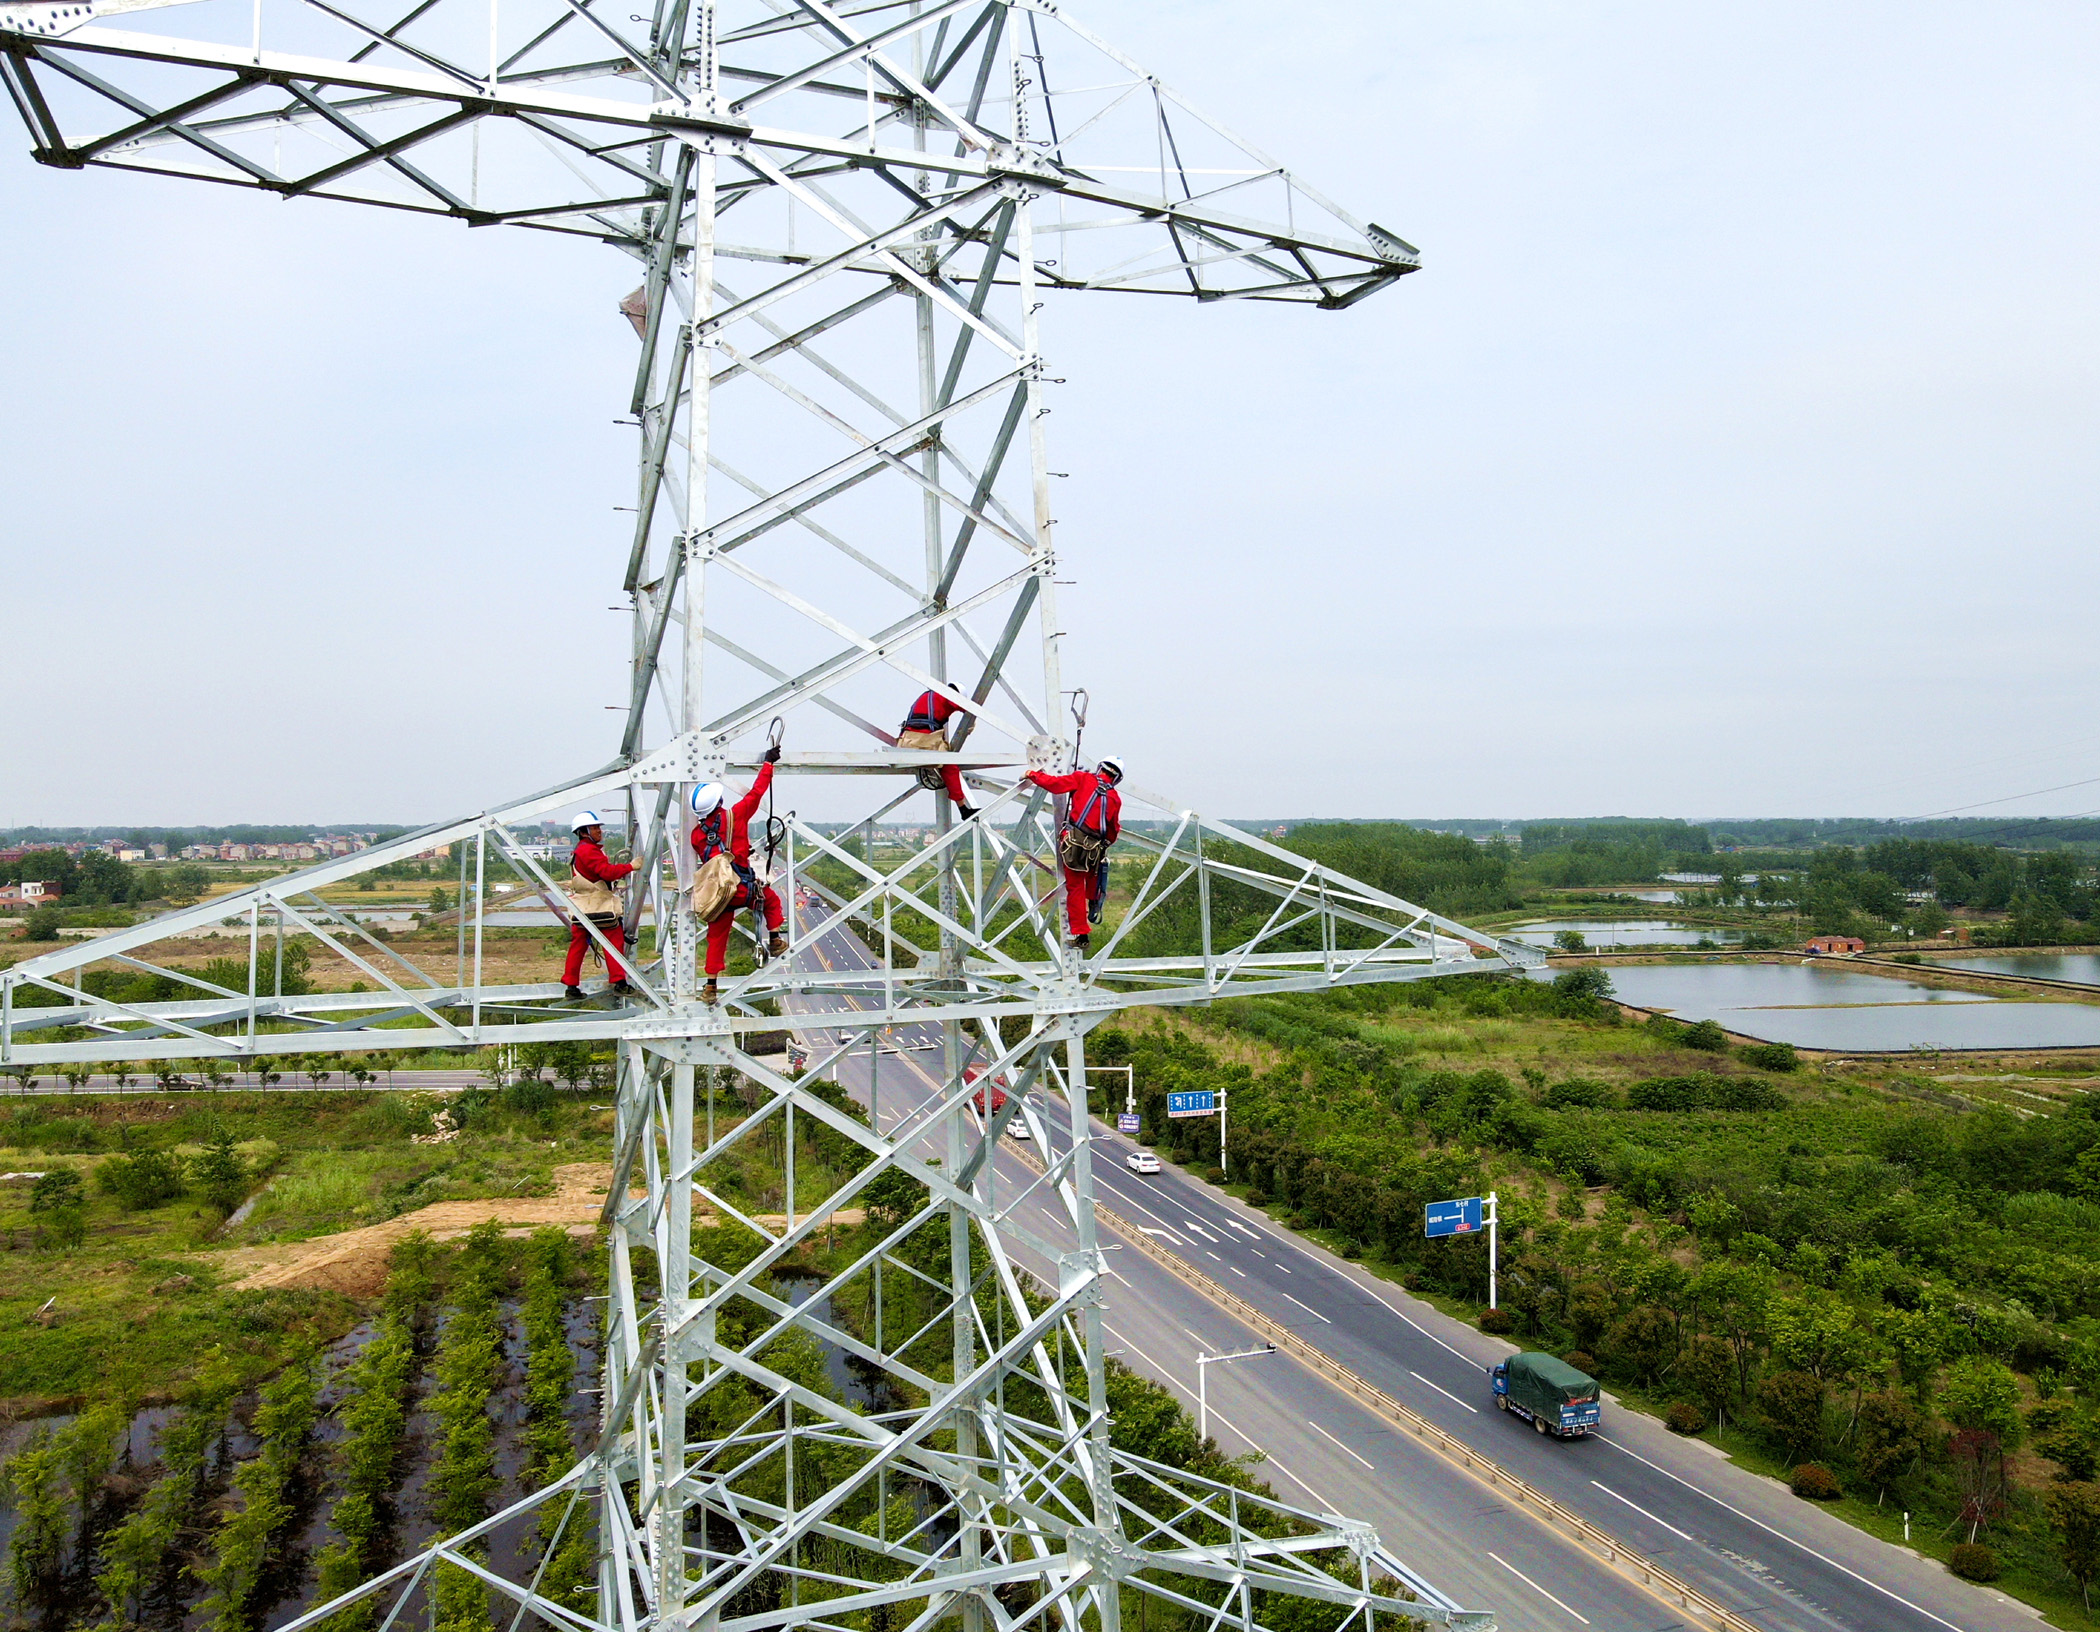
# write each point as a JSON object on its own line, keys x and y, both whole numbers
{"x": 1564, "y": 1520}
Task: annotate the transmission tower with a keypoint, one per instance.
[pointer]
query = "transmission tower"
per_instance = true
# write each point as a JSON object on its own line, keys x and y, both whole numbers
{"x": 845, "y": 218}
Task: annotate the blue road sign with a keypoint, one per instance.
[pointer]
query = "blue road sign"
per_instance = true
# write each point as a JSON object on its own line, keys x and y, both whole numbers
{"x": 1459, "y": 1217}
{"x": 1126, "y": 1122}
{"x": 1196, "y": 1102}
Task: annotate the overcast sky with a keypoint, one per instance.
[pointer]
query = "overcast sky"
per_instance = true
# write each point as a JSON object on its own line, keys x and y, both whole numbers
{"x": 1733, "y": 454}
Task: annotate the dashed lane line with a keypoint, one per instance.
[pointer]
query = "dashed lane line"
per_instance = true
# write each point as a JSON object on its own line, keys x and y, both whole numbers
{"x": 1535, "y": 1587}
{"x": 1324, "y": 1434}
{"x": 1308, "y": 1308}
{"x": 1453, "y": 1398}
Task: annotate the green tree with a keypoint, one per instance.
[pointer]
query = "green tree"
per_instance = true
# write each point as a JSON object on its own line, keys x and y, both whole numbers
{"x": 1707, "y": 1368}
{"x": 2074, "y": 1515}
{"x": 1927, "y": 919}
{"x": 1791, "y": 1404}
{"x": 219, "y": 1173}
{"x": 152, "y": 1178}
{"x": 1981, "y": 1393}
{"x": 1891, "y": 1437}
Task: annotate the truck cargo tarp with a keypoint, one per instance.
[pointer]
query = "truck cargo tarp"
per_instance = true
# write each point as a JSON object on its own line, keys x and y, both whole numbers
{"x": 1544, "y": 1383}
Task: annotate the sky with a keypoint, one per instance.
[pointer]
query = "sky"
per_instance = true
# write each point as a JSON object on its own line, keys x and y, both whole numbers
{"x": 1733, "y": 454}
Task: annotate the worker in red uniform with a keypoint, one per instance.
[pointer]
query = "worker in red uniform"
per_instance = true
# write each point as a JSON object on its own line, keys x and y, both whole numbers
{"x": 926, "y": 727}
{"x": 1093, "y": 821}
{"x": 592, "y": 875}
{"x": 718, "y": 832}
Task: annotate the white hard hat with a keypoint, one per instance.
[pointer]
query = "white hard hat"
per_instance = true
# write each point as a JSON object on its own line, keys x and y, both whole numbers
{"x": 707, "y": 798}
{"x": 589, "y": 818}
{"x": 1110, "y": 767}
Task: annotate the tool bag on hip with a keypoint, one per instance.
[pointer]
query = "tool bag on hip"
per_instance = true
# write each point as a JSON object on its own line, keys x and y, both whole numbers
{"x": 590, "y": 898}
{"x": 714, "y": 887}
{"x": 1079, "y": 846}
{"x": 930, "y": 742}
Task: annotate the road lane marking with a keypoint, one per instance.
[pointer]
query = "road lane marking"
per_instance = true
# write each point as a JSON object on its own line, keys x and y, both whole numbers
{"x": 1453, "y": 1398}
{"x": 1534, "y": 1586}
{"x": 1212, "y": 1256}
{"x": 1268, "y": 1461}
{"x": 1324, "y": 1434}
{"x": 1644, "y": 1513}
{"x": 1781, "y": 1534}
{"x": 1235, "y": 1268}
{"x": 1309, "y": 1309}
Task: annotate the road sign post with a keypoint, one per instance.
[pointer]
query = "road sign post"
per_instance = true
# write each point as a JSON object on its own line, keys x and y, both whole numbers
{"x": 1203, "y": 1102}
{"x": 1127, "y": 1118}
{"x": 1465, "y": 1215}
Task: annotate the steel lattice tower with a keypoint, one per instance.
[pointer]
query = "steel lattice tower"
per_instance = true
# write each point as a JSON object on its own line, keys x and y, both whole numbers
{"x": 845, "y": 219}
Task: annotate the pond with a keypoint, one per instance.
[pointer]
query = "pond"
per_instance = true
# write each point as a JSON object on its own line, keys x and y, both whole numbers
{"x": 1604, "y": 932}
{"x": 1819, "y": 1004}
{"x": 2083, "y": 967}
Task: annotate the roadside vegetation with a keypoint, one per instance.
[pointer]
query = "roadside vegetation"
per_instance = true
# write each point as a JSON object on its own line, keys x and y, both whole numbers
{"x": 1870, "y": 1280}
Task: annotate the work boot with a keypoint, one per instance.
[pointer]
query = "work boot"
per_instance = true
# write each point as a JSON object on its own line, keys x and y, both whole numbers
{"x": 778, "y": 945}
{"x": 966, "y": 812}
{"x": 1081, "y": 944}
{"x": 620, "y": 988}
{"x": 711, "y": 993}
{"x": 572, "y": 994}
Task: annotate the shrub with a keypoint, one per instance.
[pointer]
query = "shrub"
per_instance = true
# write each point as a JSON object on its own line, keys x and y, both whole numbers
{"x": 1704, "y": 1092}
{"x": 1770, "y": 1056}
{"x": 1973, "y": 1561}
{"x": 58, "y": 1188}
{"x": 1582, "y": 1360}
{"x": 1214, "y": 1175}
{"x": 1578, "y": 1093}
{"x": 1706, "y": 1036}
{"x": 1815, "y": 1482}
{"x": 1497, "y": 1320}
{"x": 1685, "y": 1418}
{"x": 150, "y": 1179}
{"x": 1257, "y": 1198}
{"x": 532, "y": 1096}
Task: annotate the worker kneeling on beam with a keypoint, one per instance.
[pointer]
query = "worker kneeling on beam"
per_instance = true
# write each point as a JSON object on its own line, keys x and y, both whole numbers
{"x": 726, "y": 881}
{"x": 926, "y": 728}
{"x": 1093, "y": 821}
{"x": 592, "y": 875}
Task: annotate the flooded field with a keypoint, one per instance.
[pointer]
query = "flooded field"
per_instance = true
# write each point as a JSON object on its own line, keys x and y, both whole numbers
{"x": 1824, "y": 1005}
{"x": 2082, "y": 967}
{"x": 1606, "y": 933}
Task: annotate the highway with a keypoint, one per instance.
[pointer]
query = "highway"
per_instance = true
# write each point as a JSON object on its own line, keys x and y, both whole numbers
{"x": 1742, "y": 1539}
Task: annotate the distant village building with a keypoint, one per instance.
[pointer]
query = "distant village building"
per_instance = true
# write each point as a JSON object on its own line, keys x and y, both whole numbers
{"x": 1837, "y": 943}
{"x": 30, "y": 892}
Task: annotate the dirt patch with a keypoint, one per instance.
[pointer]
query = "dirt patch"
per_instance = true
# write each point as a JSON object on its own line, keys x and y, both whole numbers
{"x": 354, "y": 1262}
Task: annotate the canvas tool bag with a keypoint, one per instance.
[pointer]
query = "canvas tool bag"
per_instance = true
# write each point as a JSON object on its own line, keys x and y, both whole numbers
{"x": 590, "y": 898}
{"x": 932, "y": 742}
{"x": 714, "y": 887}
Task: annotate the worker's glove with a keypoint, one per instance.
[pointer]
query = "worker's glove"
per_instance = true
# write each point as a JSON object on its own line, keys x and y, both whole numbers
{"x": 773, "y": 756}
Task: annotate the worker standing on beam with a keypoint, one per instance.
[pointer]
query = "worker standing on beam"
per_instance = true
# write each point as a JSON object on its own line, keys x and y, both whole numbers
{"x": 725, "y": 835}
{"x": 926, "y": 728}
{"x": 592, "y": 875}
{"x": 1093, "y": 821}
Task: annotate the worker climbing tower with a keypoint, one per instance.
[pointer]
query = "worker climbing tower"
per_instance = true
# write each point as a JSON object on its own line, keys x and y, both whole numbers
{"x": 846, "y": 221}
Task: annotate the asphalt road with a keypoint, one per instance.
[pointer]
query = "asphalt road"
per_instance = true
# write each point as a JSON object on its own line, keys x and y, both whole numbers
{"x": 1744, "y": 1540}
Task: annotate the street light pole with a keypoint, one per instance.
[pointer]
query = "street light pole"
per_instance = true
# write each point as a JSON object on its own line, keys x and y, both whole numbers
{"x": 1203, "y": 1381}
{"x": 1491, "y": 1247}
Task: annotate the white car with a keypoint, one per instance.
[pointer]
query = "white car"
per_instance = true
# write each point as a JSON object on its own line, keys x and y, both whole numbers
{"x": 1141, "y": 1161}
{"x": 1017, "y": 1129}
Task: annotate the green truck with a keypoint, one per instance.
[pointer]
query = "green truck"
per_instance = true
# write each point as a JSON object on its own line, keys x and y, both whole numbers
{"x": 1550, "y": 1394}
